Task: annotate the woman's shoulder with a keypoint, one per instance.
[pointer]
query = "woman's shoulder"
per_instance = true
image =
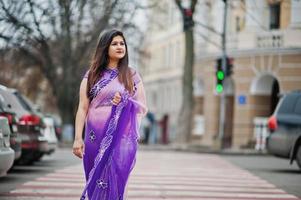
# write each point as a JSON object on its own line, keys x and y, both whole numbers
{"x": 133, "y": 71}
{"x": 86, "y": 74}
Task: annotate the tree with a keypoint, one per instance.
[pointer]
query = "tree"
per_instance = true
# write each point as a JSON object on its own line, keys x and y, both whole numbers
{"x": 185, "y": 118}
{"x": 58, "y": 37}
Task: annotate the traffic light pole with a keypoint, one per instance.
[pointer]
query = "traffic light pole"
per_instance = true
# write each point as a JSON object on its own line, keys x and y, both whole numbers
{"x": 222, "y": 95}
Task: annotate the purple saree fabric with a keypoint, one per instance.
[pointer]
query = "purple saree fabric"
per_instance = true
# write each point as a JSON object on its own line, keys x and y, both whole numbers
{"x": 111, "y": 134}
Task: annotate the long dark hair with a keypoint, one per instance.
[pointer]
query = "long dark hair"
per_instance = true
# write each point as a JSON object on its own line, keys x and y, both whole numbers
{"x": 101, "y": 59}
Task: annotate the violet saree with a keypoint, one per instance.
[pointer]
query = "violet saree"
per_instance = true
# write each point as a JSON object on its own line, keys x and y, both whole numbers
{"x": 111, "y": 134}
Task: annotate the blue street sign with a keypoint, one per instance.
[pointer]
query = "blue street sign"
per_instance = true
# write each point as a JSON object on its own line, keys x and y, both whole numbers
{"x": 242, "y": 99}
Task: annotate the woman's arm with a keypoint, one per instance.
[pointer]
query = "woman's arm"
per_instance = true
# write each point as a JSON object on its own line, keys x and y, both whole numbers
{"x": 78, "y": 146}
{"x": 141, "y": 99}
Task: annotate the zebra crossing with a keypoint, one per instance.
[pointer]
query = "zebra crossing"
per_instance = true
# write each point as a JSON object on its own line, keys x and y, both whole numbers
{"x": 161, "y": 175}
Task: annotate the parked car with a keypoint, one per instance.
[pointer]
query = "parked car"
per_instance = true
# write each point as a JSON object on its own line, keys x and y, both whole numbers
{"x": 15, "y": 138}
{"x": 7, "y": 155}
{"x": 48, "y": 122}
{"x": 285, "y": 128}
{"x": 48, "y": 125}
{"x": 30, "y": 127}
{"x": 57, "y": 125}
{"x": 49, "y": 133}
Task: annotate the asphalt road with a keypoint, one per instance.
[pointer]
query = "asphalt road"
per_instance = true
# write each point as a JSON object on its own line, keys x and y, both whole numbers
{"x": 275, "y": 170}
{"x": 21, "y": 174}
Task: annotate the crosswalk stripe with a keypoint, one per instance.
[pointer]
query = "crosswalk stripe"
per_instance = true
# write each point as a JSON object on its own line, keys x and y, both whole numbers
{"x": 208, "y": 177}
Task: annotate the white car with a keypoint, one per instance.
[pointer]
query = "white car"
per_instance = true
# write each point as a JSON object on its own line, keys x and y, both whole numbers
{"x": 49, "y": 134}
{"x": 7, "y": 155}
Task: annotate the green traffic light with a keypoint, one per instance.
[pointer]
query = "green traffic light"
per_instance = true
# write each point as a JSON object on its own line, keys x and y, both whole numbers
{"x": 219, "y": 88}
{"x": 220, "y": 75}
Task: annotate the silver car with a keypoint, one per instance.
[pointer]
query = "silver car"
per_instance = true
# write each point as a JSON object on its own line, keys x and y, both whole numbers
{"x": 7, "y": 155}
{"x": 285, "y": 127}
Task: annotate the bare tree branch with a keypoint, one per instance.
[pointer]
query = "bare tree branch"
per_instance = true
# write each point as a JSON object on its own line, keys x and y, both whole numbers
{"x": 57, "y": 37}
{"x": 209, "y": 28}
{"x": 193, "y": 4}
{"x": 37, "y": 24}
{"x": 178, "y": 3}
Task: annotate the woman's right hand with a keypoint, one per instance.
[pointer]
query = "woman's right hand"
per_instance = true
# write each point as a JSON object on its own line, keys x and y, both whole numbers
{"x": 78, "y": 148}
{"x": 116, "y": 99}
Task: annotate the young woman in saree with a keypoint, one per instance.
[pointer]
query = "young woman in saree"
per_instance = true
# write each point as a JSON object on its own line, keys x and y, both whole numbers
{"x": 112, "y": 103}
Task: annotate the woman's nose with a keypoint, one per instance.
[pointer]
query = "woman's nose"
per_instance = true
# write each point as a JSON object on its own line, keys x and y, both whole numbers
{"x": 119, "y": 47}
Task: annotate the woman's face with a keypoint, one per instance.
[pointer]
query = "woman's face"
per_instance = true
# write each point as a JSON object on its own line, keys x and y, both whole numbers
{"x": 117, "y": 48}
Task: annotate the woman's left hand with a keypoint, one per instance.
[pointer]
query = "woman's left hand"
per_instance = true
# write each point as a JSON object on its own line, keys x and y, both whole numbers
{"x": 116, "y": 99}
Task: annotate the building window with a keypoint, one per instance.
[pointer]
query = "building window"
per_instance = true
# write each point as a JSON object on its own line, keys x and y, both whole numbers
{"x": 177, "y": 54}
{"x": 237, "y": 19}
{"x": 166, "y": 56}
{"x": 275, "y": 16}
{"x": 154, "y": 100}
{"x": 171, "y": 55}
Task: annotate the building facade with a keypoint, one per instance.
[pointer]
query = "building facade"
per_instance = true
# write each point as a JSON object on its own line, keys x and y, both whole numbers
{"x": 263, "y": 38}
{"x": 162, "y": 63}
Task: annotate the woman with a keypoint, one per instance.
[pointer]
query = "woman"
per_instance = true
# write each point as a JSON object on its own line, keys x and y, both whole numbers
{"x": 112, "y": 103}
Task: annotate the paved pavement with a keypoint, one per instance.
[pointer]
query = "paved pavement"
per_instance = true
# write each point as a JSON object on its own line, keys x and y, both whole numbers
{"x": 161, "y": 175}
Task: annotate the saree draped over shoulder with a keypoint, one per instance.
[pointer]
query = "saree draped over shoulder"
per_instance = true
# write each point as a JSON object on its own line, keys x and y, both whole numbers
{"x": 111, "y": 134}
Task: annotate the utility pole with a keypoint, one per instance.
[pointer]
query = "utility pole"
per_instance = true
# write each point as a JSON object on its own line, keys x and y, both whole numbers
{"x": 222, "y": 95}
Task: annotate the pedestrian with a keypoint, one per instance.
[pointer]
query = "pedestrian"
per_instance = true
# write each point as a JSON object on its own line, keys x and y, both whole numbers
{"x": 150, "y": 128}
{"x": 112, "y": 103}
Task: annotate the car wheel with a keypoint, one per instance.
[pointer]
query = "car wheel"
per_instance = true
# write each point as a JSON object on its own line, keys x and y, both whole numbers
{"x": 298, "y": 157}
{"x": 25, "y": 161}
{"x": 38, "y": 156}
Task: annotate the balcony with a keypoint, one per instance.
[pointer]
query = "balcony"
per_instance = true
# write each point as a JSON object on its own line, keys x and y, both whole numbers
{"x": 271, "y": 39}
{"x": 288, "y": 38}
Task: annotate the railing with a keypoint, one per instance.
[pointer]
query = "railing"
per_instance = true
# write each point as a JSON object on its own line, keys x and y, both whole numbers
{"x": 270, "y": 39}
{"x": 248, "y": 40}
{"x": 261, "y": 132}
{"x": 199, "y": 125}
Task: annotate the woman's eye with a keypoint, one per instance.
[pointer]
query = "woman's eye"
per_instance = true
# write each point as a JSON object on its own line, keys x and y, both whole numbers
{"x": 121, "y": 44}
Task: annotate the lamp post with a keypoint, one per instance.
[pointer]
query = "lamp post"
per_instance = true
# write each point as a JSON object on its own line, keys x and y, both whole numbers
{"x": 222, "y": 95}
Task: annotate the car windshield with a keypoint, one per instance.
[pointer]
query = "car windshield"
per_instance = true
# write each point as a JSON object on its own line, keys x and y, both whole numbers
{"x": 288, "y": 104}
{"x": 23, "y": 102}
{"x": 298, "y": 106}
{"x": 12, "y": 104}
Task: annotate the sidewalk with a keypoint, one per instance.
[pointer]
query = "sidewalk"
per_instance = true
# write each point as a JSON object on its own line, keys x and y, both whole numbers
{"x": 190, "y": 148}
{"x": 200, "y": 149}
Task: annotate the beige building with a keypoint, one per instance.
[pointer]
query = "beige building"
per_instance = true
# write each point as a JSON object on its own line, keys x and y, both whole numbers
{"x": 263, "y": 37}
{"x": 163, "y": 61}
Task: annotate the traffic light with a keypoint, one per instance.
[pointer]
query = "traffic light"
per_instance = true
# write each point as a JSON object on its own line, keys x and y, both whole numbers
{"x": 187, "y": 19}
{"x": 220, "y": 76}
{"x": 229, "y": 66}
